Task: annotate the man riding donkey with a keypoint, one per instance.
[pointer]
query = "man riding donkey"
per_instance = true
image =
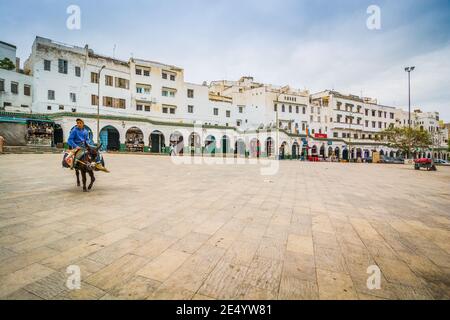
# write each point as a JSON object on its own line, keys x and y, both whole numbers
{"x": 83, "y": 156}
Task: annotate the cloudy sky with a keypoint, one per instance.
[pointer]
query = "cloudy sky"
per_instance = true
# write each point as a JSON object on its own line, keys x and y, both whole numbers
{"x": 313, "y": 44}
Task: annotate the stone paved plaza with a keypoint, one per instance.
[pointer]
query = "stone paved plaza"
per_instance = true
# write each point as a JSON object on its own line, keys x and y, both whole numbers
{"x": 155, "y": 230}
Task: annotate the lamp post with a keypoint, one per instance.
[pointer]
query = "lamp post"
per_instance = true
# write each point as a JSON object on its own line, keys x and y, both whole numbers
{"x": 409, "y": 70}
{"x": 98, "y": 105}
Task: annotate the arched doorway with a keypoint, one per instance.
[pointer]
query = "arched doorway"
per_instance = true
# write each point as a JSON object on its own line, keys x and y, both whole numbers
{"x": 295, "y": 150}
{"x": 337, "y": 152}
{"x": 110, "y": 138}
{"x": 391, "y": 154}
{"x": 157, "y": 142}
{"x": 269, "y": 147}
{"x": 195, "y": 143}
{"x": 345, "y": 154}
{"x": 283, "y": 150}
{"x": 239, "y": 147}
{"x": 358, "y": 153}
{"x": 314, "y": 151}
{"x": 330, "y": 152}
{"x": 322, "y": 151}
{"x": 210, "y": 145}
{"x": 382, "y": 152}
{"x": 176, "y": 140}
{"x": 366, "y": 154}
{"x": 134, "y": 140}
{"x": 58, "y": 136}
{"x": 225, "y": 145}
{"x": 255, "y": 148}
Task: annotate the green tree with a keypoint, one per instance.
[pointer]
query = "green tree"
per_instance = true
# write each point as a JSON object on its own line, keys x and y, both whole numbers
{"x": 7, "y": 64}
{"x": 407, "y": 139}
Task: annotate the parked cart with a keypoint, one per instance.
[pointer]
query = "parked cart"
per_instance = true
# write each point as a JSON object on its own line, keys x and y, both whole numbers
{"x": 424, "y": 163}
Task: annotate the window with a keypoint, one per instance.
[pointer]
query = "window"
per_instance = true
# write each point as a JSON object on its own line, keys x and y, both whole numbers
{"x": 47, "y": 65}
{"x": 172, "y": 77}
{"x": 335, "y": 135}
{"x": 139, "y": 72}
{"x": 14, "y": 87}
{"x": 108, "y": 81}
{"x": 190, "y": 93}
{"x": 241, "y": 109}
{"x": 392, "y": 115}
{"x": 304, "y": 110}
{"x": 373, "y": 113}
{"x": 62, "y": 66}
{"x": 49, "y": 108}
{"x": 122, "y": 83}
{"x": 380, "y": 114}
{"x": 367, "y": 123}
{"x": 283, "y": 108}
{"x": 94, "y": 100}
{"x": 367, "y": 112}
{"x": 61, "y": 107}
{"x": 73, "y": 97}
{"x": 238, "y": 123}
{"x": 147, "y": 73}
{"x": 216, "y": 111}
{"x": 297, "y": 109}
{"x": 374, "y": 124}
{"x": 228, "y": 113}
{"x": 164, "y": 109}
{"x": 303, "y": 126}
{"x": 139, "y": 107}
{"x": 312, "y": 109}
{"x": 119, "y": 103}
{"x": 51, "y": 95}
{"x": 275, "y": 107}
{"x": 172, "y": 110}
{"x": 94, "y": 77}
{"x": 6, "y": 104}
{"x": 107, "y": 101}
{"x": 290, "y": 109}
{"x": 2, "y": 85}
{"x": 27, "y": 90}
{"x": 78, "y": 71}
{"x": 190, "y": 109}
{"x": 147, "y": 108}
{"x": 164, "y": 76}
{"x": 165, "y": 93}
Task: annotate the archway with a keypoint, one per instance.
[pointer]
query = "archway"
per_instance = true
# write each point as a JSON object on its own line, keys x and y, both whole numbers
{"x": 255, "y": 148}
{"x": 177, "y": 141}
{"x": 366, "y": 154}
{"x": 195, "y": 143}
{"x": 134, "y": 140}
{"x": 269, "y": 147}
{"x": 210, "y": 145}
{"x": 283, "y": 150}
{"x": 337, "y": 152}
{"x": 58, "y": 136}
{"x": 110, "y": 138}
{"x": 314, "y": 151}
{"x": 330, "y": 152}
{"x": 382, "y": 152}
{"x": 225, "y": 145}
{"x": 358, "y": 153}
{"x": 239, "y": 147}
{"x": 391, "y": 154}
{"x": 345, "y": 154}
{"x": 322, "y": 151}
{"x": 295, "y": 150}
{"x": 157, "y": 141}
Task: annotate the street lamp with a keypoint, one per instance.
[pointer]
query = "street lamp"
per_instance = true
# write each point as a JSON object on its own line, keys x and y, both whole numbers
{"x": 98, "y": 105}
{"x": 409, "y": 70}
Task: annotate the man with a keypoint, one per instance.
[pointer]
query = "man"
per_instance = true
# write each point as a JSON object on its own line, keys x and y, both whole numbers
{"x": 78, "y": 138}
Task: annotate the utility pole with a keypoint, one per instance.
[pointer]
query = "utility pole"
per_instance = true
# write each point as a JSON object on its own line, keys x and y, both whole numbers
{"x": 409, "y": 70}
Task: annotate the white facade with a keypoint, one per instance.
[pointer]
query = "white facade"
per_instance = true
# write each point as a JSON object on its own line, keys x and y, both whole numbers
{"x": 151, "y": 96}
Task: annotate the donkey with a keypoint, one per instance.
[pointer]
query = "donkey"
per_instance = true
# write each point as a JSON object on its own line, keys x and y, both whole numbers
{"x": 86, "y": 164}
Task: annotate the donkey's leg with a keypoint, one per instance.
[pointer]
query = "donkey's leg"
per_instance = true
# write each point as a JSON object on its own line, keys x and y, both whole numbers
{"x": 77, "y": 172}
{"x": 91, "y": 174}
{"x": 83, "y": 177}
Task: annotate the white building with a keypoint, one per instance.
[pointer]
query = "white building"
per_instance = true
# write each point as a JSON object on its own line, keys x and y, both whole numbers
{"x": 145, "y": 105}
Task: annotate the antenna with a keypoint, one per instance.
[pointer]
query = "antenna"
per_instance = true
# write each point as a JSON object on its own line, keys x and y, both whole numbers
{"x": 114, "y": 52}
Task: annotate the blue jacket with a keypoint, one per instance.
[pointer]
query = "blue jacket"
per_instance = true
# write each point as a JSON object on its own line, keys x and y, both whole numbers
{"x": 78, "y": 137}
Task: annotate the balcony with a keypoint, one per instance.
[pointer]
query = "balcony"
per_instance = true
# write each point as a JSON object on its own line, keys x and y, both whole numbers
{"x": 347, "y": 126}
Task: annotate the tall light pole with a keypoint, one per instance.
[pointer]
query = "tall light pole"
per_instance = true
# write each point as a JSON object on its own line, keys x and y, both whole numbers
{"x": 409, "y": 70}
{"x": 98, "y": 104}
